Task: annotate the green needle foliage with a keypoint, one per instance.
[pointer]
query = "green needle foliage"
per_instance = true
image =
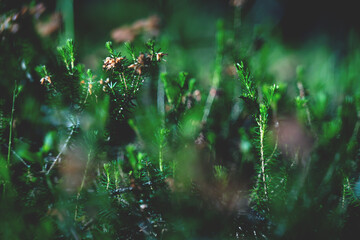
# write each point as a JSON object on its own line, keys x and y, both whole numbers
{"x": 131, "y": 150}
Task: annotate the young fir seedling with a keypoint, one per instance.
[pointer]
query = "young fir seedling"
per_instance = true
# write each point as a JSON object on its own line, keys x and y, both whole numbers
{"x": 260, "y": 108}
{"x": 121, "y": 80}
{"x": 80, "y": 92}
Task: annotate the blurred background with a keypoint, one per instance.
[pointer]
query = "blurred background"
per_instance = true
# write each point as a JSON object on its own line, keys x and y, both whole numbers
{"x": 309, "y": 49}
{"x": 284, "y": 34}
{"x": 187, "y": 28}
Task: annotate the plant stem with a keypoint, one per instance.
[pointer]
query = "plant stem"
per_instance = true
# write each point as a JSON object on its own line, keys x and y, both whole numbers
{"x": 217, "y": 72}
{"x": 161, "y": 157}
{"x": 161, "y": 96}
{"x": 273, "y": 152}
{"x": 11, "y": 125}
{"x": 108, "y": 180}
{"x": 123, "y": 79}
{"x": 82, "y": 184}
{"x": 20, "y": 158}
{"x": 262, "y": 159}
{"x": 62, "y": 149}
{"x": 302, "y": 96}
{"x": 343, "y": 195}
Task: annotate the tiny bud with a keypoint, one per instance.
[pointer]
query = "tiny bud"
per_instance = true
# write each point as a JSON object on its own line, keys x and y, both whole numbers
{"x": 90, "y": 87}
{"x": 197, "y": 95}
{"x": 132, "y": 66}
{"x": 159, "y": 56}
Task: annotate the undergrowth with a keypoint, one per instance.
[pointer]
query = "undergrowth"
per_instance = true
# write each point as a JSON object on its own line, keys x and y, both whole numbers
{"x": 131, "y": 151}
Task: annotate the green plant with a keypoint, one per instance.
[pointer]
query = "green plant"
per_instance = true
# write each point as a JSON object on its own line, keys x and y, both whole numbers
{"x": 266, "y": 148}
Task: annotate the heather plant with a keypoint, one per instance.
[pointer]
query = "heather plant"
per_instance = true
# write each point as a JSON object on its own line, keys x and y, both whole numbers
{"x": 266, "y": 148}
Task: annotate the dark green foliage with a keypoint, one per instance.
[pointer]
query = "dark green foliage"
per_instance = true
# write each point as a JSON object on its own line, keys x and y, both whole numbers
{"x": 257, "y": 140}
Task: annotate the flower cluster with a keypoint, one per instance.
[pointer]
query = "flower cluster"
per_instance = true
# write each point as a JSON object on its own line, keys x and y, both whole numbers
{"x": 191, "y": 98}
{"x": 105, "y": 84}
{"x": 45, "y": 79}
{"x": 112, "y": 63}
{"x": 89, "y": 86}
{"x": 160, "y": 55}
{"x": 143, "y": 61}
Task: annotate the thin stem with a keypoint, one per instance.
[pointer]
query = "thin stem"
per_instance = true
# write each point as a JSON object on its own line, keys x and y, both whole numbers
{"x": 217, "y": 75}
{"x": 11, "y": 124}
{"x": 123, "y": 79}
{"x": 308, "y": 116}
{"x": 20, "y": 158}
{"x": 161, "y": 157}
{"x": 62, "y": 149}
{"x": 86, "y": 97}
{"x": 108, "y": 180}
{"x": 262, "y": 159}
{"x": 215, "y": 85}
{"x": 208, "y": 104}
{"x": 211, "y": 96}
{"x": 273, "y": 152}
{"x": 82, "y": 184}
{"x": 161, "y": 110}
{"x": 343, "y": 196}
{"x": 302, "y": 97}
{"x": 161, "y": 96}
